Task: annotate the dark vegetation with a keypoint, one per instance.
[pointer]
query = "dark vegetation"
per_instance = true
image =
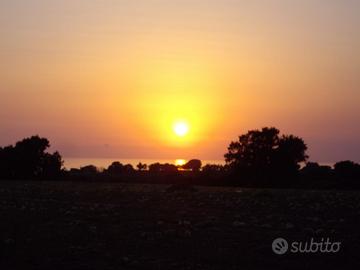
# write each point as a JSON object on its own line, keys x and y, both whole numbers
{"x": 29, "y": 160}
{"x": 259, "y": 158}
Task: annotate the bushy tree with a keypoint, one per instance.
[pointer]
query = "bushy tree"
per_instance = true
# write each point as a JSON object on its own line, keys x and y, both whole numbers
{"x": 314, "y": 170}
{"x": 212, "y": 168}
{"x": 116, "y": 168}
{"x": 29, "y": 159}
{"x": 89, "y": 170}
{"x": 264, "y": 154}
{"x": 52, "y": 164}
{"x": 347, "y": 170}
{"x": 157, "y": 167}
{"x": 128, "y": 169}
{"x": 193, "y": 165}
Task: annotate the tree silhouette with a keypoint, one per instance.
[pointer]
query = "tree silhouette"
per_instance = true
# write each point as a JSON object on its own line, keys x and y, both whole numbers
{"x": 213, "y": 168}
{"x": 264, "y": 154}
{"x": 28, "y": 159}
{"x": 89, "y": 170}
{"x": 193, "y": 164}
{"x": 116, "y": 168}
{"x": 157, "y": 167}
{"x": 128, "y": 169}
{"x": 30, "y": 154}
{"x": 141, "y": 167}
{"x": 52, "y": 164}
{"x": 314, "y": 170}
{"x": 347, "y": 170}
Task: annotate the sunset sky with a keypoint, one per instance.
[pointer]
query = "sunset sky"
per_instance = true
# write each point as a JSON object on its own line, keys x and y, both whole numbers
{"x": 117, "y": 78}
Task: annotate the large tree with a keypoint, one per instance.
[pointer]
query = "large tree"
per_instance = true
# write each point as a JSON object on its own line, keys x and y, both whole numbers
{"x": 264, "y": 154}
{"x": 29, "y": 159}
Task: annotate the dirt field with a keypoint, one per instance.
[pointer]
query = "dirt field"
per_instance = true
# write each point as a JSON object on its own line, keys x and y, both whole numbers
{"x": 64, "y": 225}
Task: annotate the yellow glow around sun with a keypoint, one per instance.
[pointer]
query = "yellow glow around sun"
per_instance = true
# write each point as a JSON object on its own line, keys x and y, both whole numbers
{"x": 177, "y": 97}
{"x": 180, "y": 162}
{"x": 181, "y": 128}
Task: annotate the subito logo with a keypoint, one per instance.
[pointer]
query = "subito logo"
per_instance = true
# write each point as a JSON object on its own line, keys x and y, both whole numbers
{"x": 280, "y": 246}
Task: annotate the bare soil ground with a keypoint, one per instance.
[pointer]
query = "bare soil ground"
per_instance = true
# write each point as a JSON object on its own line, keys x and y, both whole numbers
{"x": 66, "y": 225}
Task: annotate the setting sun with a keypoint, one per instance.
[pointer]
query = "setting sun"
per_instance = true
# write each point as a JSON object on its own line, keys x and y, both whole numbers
{"x": 181, "y": 129}
{"x": 180, "y": 162}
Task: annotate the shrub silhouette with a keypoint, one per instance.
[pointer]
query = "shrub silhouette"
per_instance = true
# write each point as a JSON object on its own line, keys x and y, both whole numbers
{"x": 116, "y": 168}
{"x": 313, "y": 170}
{"x": 193, "y": 165}
{"x": 89, "y": 170}
{"x": 157, "y": 167}
{"x": 128, "y": 169}
{"x": 347, "y": 170}
{"x": 264, "y": 154}
{"x": 314, "y": 175}
{"x": 213, "y": 168}
{"x": 168, "y": 168}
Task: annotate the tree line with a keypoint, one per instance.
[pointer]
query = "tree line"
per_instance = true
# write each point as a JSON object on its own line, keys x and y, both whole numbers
{"x": 259, "y": 158}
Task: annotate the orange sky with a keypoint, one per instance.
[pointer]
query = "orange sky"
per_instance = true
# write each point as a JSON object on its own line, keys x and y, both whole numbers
{"x": 110, "y": 78}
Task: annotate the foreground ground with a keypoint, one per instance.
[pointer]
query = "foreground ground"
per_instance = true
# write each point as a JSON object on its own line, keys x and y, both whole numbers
{"x": 64, "y": 225}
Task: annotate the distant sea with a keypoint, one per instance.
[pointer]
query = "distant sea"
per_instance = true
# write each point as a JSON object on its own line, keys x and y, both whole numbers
{"x": 105, "y": 162}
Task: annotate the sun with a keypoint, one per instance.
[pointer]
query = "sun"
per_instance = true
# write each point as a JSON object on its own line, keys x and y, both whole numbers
{"x": 180, "y": 162}
{"x": 181, "y": 128}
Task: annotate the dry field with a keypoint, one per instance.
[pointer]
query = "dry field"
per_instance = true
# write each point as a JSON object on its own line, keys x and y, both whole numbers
{"x": 66, "y": 225}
